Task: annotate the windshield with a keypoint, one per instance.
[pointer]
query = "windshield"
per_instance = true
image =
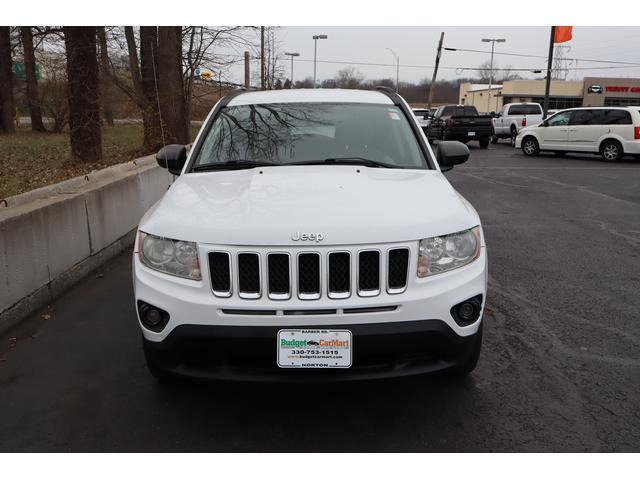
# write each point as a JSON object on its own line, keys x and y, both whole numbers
{"x": 289, "y": 133}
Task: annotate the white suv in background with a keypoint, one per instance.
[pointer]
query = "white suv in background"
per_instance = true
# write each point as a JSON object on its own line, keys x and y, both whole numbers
{"x": 301, "y": 242}
{"x": 608, "y": 131}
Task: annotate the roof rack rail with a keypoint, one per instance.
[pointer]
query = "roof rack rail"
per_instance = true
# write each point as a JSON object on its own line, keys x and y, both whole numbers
{"x": 384, "y": 88}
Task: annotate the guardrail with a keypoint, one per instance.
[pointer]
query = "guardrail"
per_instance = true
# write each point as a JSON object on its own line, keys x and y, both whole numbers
{"x": 53, "y": 236}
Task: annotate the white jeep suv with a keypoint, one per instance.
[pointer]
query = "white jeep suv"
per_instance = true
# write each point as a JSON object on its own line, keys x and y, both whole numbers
{"x": 310, "y": 235}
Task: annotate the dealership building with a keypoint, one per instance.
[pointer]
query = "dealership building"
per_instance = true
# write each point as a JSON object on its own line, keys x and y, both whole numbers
{"x": 590, "y": 92}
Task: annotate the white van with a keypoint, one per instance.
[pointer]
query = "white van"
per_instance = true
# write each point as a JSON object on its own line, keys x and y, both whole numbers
{"x": 608, "y": 131}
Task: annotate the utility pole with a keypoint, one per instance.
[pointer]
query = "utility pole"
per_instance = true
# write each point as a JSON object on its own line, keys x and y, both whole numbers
{"x": 292, "y": 54}
{"x": 272, "y": 44}
{"x": 247, "y": 67}
{"x": 547, "y": 87}
{"x": 262, "y": 58}
{"x": 397, "y": 69}
{"x": 435, "y": 70}
{"x": 493, "y": 43}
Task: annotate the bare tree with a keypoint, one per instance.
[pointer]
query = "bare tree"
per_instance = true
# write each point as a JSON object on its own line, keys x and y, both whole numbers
{"x": 500, "y": 74}
{"x": 507, "y": 74}
{"x": 273, "y": 69}
{"x": 105, "y": 79}
{"x": 33, "y": 97}
{"x": 348, "y": 77}
{"x": 137, "y": 77}
{"x": 199, "y": 44}
{"x": 171, "y": 89}
{"x": 54, "y": 90}
{"x": 149, "y": 80}
{"x": 485, "y": 72}
{"x": 7, "y": 107}
{"x": 84, "y": 99}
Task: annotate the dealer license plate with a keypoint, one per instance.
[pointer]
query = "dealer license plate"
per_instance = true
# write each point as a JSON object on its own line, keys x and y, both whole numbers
{"x": 471, "y": 134}
{"x": 314, "y": 348}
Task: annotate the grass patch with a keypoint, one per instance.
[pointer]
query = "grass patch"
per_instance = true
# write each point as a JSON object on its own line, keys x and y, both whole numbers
{"x": 32, "y": 160}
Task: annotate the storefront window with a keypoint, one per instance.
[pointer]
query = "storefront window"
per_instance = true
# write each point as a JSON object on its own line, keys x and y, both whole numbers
{"x": 623, "y": 102}
{"x": 559, "y": 103}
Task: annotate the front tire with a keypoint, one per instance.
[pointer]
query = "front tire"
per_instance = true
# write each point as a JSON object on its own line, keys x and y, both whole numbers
{"x": 611, "y": 151}
{"x": 530, "y": 147}
{"x": 494, "y": 139}
{"x": 484, "y": 143}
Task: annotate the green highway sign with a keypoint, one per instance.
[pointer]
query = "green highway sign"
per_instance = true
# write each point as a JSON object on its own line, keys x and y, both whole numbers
{"x": 21, "y": 73}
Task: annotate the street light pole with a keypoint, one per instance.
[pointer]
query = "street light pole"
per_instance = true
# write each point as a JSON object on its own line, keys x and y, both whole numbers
{"x": 397, "y": 69}
{"x": 315, "y": 54}
{"x": 294, "y": 54}
{"x": 493, "y": 43}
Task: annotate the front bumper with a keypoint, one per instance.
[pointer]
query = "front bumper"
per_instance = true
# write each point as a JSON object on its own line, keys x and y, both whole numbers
{"x": 390, "y": 334}
{"x": 380, "y": 350}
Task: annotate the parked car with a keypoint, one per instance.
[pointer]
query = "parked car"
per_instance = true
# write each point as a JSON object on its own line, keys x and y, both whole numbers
{"x": 608, "y": 131}
{"x": 423, "y": 115}
{"x": 294, "y": 224}
{"x": 462, "y": 123}
{"x": 514, "y": 117}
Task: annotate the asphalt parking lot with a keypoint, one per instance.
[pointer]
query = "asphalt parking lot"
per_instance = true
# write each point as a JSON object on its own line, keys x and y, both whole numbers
{"x": 559, "y": 371}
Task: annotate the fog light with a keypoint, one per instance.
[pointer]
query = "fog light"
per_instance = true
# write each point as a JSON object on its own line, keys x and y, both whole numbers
{"x": 152, "y": 317}
{"x": 467, "y": 312}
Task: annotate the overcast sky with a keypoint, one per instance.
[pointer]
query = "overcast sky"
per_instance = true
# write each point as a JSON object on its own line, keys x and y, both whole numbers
{"x": 417, "y": 46}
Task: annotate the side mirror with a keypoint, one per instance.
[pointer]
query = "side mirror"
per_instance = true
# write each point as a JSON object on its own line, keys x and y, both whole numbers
{"x": 451, "y": 153}
{"x": 172, "y": 157}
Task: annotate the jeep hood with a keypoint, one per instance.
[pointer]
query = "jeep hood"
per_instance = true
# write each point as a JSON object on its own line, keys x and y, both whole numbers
{"x": 346, "y": 204}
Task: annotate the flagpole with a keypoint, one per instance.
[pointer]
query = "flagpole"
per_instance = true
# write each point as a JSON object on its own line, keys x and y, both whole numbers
{"x": 547, "y": 86}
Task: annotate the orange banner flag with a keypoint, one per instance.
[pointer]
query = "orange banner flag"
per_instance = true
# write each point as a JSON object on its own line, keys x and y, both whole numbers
{"x": 563, "y": 34}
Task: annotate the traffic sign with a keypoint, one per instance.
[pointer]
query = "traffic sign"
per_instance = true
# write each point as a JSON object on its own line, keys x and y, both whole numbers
{"x": 21, "y": 73}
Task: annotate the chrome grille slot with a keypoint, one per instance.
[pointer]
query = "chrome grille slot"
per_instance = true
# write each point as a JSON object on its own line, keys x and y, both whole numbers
{"x": 220, "y": 273}
{"x": 368, "y": 273}
{"x": 339, "y": 273}
{"x": 249, "y": 275}
{"x": 279, "y": 276}
{"x": 397, "y": 269}
{"x": 309, "y": 276}
{"x": 282, "y": 273}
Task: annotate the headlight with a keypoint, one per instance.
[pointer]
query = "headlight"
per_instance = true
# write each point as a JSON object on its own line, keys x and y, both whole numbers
{"x": 174, "y": 257}
{"x": 444, "y": 253}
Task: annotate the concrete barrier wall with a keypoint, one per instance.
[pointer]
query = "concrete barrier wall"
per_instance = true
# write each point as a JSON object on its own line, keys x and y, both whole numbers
{"x": 51, "y": 237}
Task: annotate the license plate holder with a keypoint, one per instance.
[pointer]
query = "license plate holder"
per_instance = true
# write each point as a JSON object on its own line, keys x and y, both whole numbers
{"x": 314, "y": 348}
{"x": 471, "y": 134}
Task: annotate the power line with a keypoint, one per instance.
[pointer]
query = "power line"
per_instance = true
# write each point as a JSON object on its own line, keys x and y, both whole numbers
{"x": 510, "y": 54}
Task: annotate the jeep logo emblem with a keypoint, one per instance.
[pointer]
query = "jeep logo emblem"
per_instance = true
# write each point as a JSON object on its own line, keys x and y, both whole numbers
{"x": 303, "y": 237}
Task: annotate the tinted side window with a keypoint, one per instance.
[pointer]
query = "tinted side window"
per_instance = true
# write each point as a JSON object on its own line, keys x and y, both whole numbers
{"x": 616, "y": 117}
{"x": 584, "y": 117}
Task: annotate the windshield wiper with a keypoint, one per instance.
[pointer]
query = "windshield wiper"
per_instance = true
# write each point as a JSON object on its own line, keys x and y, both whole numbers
{"x": 232, "y": 164}
{"x": 346, "y": 161}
